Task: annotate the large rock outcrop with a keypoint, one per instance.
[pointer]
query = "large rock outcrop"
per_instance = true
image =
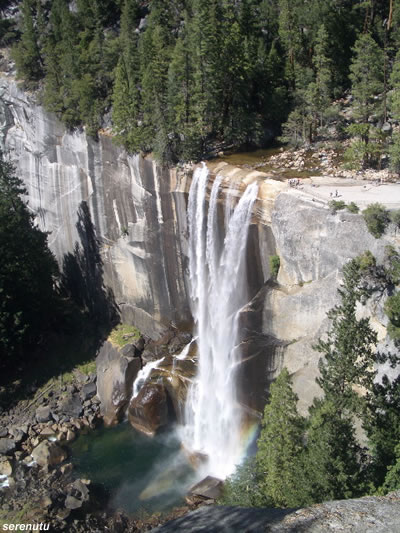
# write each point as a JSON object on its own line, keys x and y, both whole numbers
{"x": 116, "y": 371}
{"x": 313, "y": 244}
{"x": 136, "y": 207}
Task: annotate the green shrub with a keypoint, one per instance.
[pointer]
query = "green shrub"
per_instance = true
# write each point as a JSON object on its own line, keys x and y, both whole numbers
{"x": 352, "y": 207}
{"x": 392, "y": 264}
{"x": 366, "y": 261}
{"x": 355, "y": 155}
{"x": 395, "y": 217}
{"x": 394, "y": 153}
{"x": 336, "y": 205}
{"x": 274, "y": 264}
{"x": 392, "y": 310}
{"x": 377, "y": 218}
{"x": 242, "y": 488}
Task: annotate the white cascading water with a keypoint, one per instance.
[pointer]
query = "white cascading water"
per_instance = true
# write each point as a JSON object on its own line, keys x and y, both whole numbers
{"x": 185, "y": 352}
{"x": 142, "y": 376}
{"x": 218, "y": 291}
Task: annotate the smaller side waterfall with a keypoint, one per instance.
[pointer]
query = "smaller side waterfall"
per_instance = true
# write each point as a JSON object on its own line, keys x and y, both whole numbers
{"x": 185, "y": 352}
{"x": 142, "y": 376}
{"x": 218, "y": 287}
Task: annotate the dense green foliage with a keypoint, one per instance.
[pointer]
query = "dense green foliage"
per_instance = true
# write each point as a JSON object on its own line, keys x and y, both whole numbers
{"x": 349, "y": 349}
{"x": 243, "y": 487}
{"x": 352, "y": 207}
{"x": 377, "y": 218}
{"x": 186, "y": 75}
{"x": 334, "y": 466}
{"x": 279, "y": 457}
{"x": 392, "y": 309}
{"x": 336, "y": 205}
{"x": 274, "y": 264}
{"x": 301, "y": 461}
{"x": 27, "y": 272}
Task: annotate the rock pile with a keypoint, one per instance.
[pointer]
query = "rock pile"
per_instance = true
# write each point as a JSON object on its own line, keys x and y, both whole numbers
{"x": 35, "y": 476}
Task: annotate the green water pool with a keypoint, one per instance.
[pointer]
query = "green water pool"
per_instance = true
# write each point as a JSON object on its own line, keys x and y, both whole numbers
{"x": 138, "y": 472}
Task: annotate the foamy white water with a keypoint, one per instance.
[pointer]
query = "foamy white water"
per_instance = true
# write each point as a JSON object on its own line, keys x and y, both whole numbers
{"x": 217, "y": 273}
{"x": 142, "y": 376}
{"x": 185, "y": 352}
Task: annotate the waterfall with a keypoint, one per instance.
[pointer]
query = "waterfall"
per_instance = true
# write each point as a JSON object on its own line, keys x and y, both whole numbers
{"x": 217, "y": 274}
{"x": 185, "y": 352}
{"x": 142, "y": 376}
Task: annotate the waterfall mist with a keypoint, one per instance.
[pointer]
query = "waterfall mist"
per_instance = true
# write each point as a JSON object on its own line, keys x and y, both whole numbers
{"x": 218, "y": 290}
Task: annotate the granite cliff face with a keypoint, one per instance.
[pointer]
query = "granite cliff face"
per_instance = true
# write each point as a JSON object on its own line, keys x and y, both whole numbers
{"x": 138, "y": 209}
{"x": 139, "y": 212}
{"x": 314, "y": 245}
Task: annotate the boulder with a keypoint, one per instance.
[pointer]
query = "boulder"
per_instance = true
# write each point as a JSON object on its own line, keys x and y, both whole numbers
{"x": 88, "y": 391}
{"x": 70, "y": 435}
{"x": 177, "y": 344}
{"x": 129, "y": 350}
{"x": 208, "y": 488}
{"x": 176, "y": 376}
{"x": 7, "y": 446}
{"x": 148, "y": 356}
{"x": 66, "y": 469}
{"x": 71, "y": 406}
{"x": 148, "y": 412}
{"x": 115, "y": 375}
{"x": 43, "y": 413}
{"x": 5, "y": 467}
{"x": 134, "y": 348}
{"x": 18, "y": 433}
{"x": 77, "y": 495}
{"x": 48, "y": 454}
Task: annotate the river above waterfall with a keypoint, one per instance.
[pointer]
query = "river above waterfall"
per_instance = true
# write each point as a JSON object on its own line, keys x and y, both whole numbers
{"x": 139, "y": 473}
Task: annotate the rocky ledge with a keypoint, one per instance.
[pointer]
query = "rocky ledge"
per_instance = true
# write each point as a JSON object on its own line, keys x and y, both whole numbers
{"x": 364, "y": 515}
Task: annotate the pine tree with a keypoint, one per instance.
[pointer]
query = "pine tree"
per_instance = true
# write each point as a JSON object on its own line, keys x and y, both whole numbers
{"x": 333, "y": 465}
{"x": 207, "y": 87}
{"x": 320, "y": 90}
{"x": 392, "y": 478}
{"x": 182, "y": 119}
{"x": 156, "y": 47}
{"x": 61, "y": 93}
{"x": 349, "y": 350}
{"x": 126, "y": 94}
{"x": 236, "y": 116}
{"x": 280, "y": 447}
{"x": 27, "y": 271}
{"x": 366, "y": 76}
{"x": 290, "y": 35}
{"x": 382, "y": 425}
{"x": 27, "y": 53}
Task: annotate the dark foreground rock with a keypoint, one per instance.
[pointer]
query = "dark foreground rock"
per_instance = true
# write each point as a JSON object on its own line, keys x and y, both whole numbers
{"x": 148, "y": 412}
{"x": 7, "y": 446}
{"x": 209, "y": 488}
{"x": 364, "y": 515}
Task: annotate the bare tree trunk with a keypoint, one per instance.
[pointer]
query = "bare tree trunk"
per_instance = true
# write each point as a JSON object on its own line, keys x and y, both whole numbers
{"x": 389, "y": 21}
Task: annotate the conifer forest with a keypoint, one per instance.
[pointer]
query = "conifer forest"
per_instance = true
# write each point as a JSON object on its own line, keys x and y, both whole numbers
{"x": 181, "y": 77}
